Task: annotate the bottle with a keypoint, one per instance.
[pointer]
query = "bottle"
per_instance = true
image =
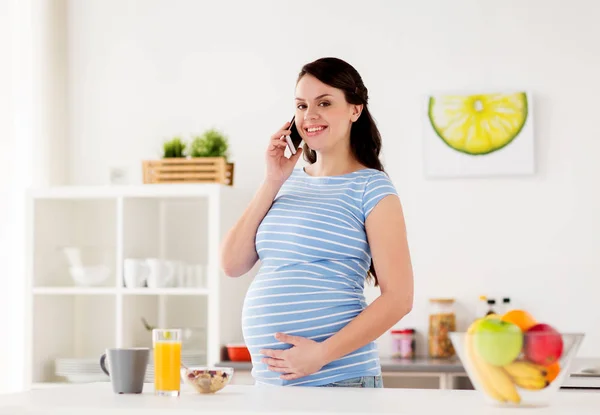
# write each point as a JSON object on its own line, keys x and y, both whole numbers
{"x": 491, "y": 304}
{"x": 481, "y": 306}
{"x": 505, "y": 305}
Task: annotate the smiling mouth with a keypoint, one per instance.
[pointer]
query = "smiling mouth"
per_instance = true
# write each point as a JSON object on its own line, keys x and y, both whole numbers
{"x": 313, "y": 130}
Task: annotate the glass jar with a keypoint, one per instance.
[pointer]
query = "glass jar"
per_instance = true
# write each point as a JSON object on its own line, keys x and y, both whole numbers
{"x": 442, "y": 320}
{"x": 403, "y": 344}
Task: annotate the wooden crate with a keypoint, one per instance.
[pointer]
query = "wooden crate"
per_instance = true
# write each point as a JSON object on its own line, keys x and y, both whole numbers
{"x": 188, "y": 170}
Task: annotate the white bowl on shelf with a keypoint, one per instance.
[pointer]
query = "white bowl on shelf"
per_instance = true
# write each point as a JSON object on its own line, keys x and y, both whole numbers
{"x": 89, "y": 276}
{"x": 85, "y": 256}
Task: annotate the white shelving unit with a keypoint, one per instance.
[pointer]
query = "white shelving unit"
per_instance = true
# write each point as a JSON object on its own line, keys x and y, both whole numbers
{"x": 181, "y": 222}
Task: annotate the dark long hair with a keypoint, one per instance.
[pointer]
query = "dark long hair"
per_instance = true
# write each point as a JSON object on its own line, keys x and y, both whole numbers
{"x": 365, "y": 140}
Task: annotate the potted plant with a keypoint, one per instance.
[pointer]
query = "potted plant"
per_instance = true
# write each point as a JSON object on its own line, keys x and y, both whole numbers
{"x": 174, "y": 148}
{"x": 205, "y": 161}
{"x": 212, "y": 143}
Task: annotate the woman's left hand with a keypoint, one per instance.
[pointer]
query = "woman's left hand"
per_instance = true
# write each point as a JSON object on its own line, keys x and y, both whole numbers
{"x": 304, "y": 358}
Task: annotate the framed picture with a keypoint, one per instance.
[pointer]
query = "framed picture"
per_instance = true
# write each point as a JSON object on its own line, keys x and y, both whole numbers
{"x": 486, "y": 134}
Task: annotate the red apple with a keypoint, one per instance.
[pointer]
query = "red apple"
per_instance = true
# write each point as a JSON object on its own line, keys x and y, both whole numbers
{"x": 543, "y": 344}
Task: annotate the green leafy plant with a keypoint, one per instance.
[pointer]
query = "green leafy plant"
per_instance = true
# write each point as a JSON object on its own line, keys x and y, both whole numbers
{"x": 210, "y": 144}
{"x": 174, "y": 148}
{"x": 147, "y": 325}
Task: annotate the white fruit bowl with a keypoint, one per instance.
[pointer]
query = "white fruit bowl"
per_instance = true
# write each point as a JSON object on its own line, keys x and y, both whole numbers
{"x": 500, "y": 366}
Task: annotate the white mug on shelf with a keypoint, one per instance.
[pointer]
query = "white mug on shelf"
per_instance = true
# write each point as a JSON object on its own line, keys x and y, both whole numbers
{"x": 180, "y": 275}
{"x": 194, "y": 276}
{"x": 161, "y": 273}
{"x": 135, "y": 272}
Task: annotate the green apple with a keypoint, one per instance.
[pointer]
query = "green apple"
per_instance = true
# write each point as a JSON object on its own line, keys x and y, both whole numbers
{"x": 498, "y": 342}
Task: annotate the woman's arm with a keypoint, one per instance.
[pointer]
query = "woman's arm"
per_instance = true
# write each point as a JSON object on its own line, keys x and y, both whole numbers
{"x": 238, "y": 251}
{"x": 386, "y": 233}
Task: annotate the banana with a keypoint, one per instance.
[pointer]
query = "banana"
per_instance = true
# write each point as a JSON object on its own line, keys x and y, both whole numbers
{"x": 528, "y": 375}
{"x": 533, "y": 384}
{"x": 493, "y": 379}
{"x": 524, "y": 369}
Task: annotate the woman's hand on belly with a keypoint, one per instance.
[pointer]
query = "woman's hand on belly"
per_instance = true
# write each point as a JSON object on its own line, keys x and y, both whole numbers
{"x": 304, "y": 358}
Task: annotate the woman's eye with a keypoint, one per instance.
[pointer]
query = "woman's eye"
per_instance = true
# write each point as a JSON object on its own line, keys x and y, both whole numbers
{"x": 321, "y": 104}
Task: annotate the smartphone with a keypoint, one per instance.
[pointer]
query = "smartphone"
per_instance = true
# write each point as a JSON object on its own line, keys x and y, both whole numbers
{"x": 293, "y": 140}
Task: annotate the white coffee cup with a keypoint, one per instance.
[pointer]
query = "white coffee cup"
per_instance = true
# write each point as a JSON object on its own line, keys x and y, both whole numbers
{"x": 161, "y": 273}
{"x": 194, "y": 276}
{"x": 179, "y": 280}
{"x": 135, "y": 272}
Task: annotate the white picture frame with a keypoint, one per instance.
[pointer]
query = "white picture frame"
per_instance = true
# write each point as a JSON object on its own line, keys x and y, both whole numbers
{"x": 440, "y": 160}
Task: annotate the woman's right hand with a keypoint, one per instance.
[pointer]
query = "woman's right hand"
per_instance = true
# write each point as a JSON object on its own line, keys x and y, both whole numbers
{"x": 279, "y": 167}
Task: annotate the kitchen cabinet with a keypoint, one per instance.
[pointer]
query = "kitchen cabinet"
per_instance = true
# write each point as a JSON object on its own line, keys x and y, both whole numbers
{"x": 97, "y": 228}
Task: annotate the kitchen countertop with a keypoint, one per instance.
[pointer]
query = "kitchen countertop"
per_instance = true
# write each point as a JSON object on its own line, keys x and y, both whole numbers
{"x": 419, "y": 364}
{"x": 422, "y": 364}
{"x": 98, "y": 398}
{"x": 426, "y": 364}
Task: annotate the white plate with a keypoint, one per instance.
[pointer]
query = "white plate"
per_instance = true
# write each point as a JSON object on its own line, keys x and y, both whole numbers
{"x": 87, "y": 378}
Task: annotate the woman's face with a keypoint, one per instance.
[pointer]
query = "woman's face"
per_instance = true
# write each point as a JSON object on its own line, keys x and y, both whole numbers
{"x": 323, "y": 117}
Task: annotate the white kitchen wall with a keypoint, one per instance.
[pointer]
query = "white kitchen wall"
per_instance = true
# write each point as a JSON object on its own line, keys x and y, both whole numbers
{"x": 142, "y": 71}
{"x": 15, "y": 112}
{"x": 6, "y": 110}
{"x": 7, "y": 302}
{"x": 32, "y": 152}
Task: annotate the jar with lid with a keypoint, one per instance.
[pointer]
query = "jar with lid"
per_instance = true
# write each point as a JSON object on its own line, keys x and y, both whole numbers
{"x": 491, "y": 304}
{"x": 403, "y": 343}
{"x": 442, "y": 321}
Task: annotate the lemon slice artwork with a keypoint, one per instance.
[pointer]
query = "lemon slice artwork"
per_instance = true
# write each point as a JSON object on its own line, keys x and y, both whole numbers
{"x": 478, "y": 124}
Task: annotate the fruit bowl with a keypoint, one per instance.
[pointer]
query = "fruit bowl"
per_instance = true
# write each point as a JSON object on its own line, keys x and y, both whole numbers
{"x": 512, "y": 366}
{"x": 207, "y": 379}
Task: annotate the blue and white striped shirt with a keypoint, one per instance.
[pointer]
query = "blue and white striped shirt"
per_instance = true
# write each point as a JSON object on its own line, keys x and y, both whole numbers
{"x": 314, "y": 257}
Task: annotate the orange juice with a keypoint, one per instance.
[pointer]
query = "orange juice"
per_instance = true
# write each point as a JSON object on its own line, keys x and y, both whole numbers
{"x": 167, "y": 364}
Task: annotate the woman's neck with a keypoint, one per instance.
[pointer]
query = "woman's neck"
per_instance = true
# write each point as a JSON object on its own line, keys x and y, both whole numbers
{"x": 334, "y": 163}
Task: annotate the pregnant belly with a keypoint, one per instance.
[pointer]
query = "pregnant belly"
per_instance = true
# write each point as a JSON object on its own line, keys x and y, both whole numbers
{"x": 314, "y": 311}
{"x": 314, "y": 308}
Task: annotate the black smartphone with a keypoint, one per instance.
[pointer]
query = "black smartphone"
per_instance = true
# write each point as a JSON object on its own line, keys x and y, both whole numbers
{"x": 293, "y": 140}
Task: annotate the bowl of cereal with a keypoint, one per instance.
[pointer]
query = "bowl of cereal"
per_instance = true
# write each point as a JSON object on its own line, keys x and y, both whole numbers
{"x": 206, "y": 379}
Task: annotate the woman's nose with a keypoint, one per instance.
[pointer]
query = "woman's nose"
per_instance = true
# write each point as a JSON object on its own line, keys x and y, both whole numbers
{"x": 311, "y": 114}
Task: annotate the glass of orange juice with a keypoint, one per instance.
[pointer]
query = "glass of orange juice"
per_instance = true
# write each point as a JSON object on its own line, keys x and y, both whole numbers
{"x": 167, "y": 361}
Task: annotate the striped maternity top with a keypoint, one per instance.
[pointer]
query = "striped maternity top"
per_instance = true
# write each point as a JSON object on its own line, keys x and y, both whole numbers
{"x": 314, "y": 259}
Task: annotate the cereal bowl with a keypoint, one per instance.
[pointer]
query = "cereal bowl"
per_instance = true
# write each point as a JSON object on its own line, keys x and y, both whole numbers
{"x": 207, "y": 379}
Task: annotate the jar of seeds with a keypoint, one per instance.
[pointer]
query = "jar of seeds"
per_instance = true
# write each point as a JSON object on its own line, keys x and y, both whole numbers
{"x": 442, "y": 321}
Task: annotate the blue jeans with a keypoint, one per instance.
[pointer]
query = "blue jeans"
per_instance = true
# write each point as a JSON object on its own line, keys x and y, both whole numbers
{"x": 360, "y": 382}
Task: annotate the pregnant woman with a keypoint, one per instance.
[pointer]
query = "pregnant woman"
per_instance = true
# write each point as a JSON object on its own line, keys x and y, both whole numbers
{"x": 320, "y": 233}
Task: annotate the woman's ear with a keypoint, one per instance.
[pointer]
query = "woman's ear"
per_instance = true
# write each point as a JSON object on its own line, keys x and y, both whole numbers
{"x": 356, "y": 111}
